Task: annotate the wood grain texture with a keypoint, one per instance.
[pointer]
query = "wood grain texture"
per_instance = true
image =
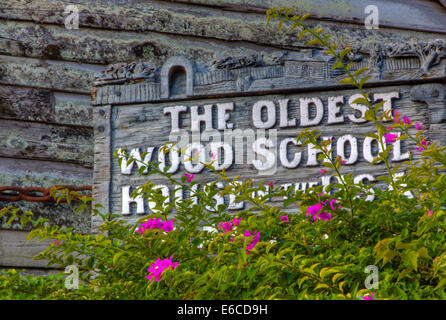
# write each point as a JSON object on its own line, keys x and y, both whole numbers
{"x": 95, "y": 42}
{"x": 16, "y": 251}
{"x": 69, "y": 77}
{"x": 27, "y": 140}
{"x": 103, "y": 46}
{"x": 37, "y": 105}
{"x": 102, "y": 159}
{"x": 26, "y": 104}
{"x": 184, "y": 17}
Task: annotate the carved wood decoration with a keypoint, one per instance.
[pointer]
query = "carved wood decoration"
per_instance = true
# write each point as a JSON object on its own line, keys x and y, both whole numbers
{"x": 308, "y": 68}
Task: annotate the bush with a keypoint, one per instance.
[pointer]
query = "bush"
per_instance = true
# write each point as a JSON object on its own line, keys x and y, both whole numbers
{"x": 316, "y": 246}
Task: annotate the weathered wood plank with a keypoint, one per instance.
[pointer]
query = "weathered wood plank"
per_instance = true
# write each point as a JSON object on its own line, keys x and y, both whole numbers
{"x": 102, "y": 160}
{"x": 26, "y": 104}
{"x": 103, "y": 46}
{"x": 29, "y": 140}
{"x": 72, "y": 109}
{"x": 184, "y": 16}
{"x": 23, "y": 172}
{"x": 16, "y": 251}
{"x": 35, "y": 73}
{"x": 50, "y": 42}
{"x": 29, "y": 104}
{"x": 412, "y": 14}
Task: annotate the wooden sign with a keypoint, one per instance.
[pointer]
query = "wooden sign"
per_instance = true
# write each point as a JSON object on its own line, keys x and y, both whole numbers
{"x": 246, "y": 113}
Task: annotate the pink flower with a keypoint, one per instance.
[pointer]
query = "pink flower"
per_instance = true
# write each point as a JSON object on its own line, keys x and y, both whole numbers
{"x": 236, "y": 221}
{"x": 390, "y": 137}
{"x": 247, "y": 234}
{"x": 420, "y": 149}
{"x": 369, "y": 298}
{"x": 406, "y": 120}
{"x": 418, "y": 126}
{"x": 255, "y": 240}
{"x": 430, "y": 213}
{"x": 157, "y": 224}
{"x": 315, "y": 211}
{"x": 167, "y": 225}
{"x": 56, "y": 242}
{"x": 213, "y": 156}
{"x": 227, "y": 226}
{"x": 324, "y": 216}
{"x": 331, "y": 203}
{"x": 190, "y": 177}
{"x": 389, "y": 128}
{"x": 285, "y": 219}
{"x": 322, "y": 171}
{"x": 271, "y": 184}
{"x": 157, "y": 268}
{"x": 424, "y": 142}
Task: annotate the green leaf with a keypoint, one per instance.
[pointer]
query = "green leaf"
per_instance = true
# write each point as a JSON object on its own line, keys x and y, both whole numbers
{"x": 347, "y": 80}
{"x": 296, "y": 257}
{"x": 116, "y": 257}
{"x": 401, "y": 245}
{"x": 404, "y": 273}
{"x": 302, "y": 280}
{"x": 361, "y": 100}
{"x": 304, "y": 17}
{"x": 341, "y": 286}
{"x": 337, "y": 64}
{"x": 309, "y": 270}
{"x": 372, "y": 135}
{"x": 412, "y": 257}
{"x": 388, "y": 255}
{"x": 270, "y": 246}
{"x": 314, "y": 42}
{"x": 321, "y": 286}
{"x": 360, "y": 71}
{"x": 345, "y": 52}
{"x": 423, "y": 253}
{"x": 326, "y": 271}
{"x": 441, "y": 284}
{"x": 336, "y": 277}
{"x": 302, "y": 33}
{"x": 363, "y": 81}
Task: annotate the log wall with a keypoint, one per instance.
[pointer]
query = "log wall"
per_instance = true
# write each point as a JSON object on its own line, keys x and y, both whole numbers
{"x": 47, "y": 71}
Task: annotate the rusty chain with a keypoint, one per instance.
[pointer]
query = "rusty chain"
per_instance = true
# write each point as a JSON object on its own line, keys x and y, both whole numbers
{"x": 35, "y": 194}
